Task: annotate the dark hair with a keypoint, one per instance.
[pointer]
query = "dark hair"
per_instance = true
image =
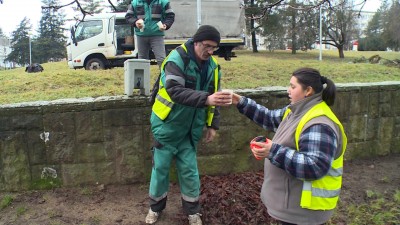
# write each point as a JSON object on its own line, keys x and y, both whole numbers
{"x": 309, "y": 77}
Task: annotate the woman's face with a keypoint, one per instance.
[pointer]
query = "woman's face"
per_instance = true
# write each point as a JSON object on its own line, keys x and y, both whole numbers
{"x": 296, "y": 91}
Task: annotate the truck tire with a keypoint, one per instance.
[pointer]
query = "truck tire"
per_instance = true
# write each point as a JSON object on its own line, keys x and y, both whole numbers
{"x": 95, "y": 64}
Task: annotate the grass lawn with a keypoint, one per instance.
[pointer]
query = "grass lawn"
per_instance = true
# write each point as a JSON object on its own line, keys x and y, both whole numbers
{"x": 248, "y": 70}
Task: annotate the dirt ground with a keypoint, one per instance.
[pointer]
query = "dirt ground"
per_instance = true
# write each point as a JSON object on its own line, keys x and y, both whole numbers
{"x": 127, "y": 204}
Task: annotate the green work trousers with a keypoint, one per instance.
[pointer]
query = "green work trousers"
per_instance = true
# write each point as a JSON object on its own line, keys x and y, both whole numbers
{"x": 188, "y": 175}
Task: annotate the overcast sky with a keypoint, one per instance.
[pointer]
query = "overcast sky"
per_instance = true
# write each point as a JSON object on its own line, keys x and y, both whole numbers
{"x": 12, "y": 12}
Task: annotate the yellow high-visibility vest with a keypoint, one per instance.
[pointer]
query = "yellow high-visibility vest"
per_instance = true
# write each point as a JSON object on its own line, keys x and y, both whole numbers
{"x": 163, "y": 103}
{"x": 322, "y": 194}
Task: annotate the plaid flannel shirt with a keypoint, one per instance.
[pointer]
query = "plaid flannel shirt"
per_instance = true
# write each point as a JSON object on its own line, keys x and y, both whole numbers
{"x": 317, "y": 144}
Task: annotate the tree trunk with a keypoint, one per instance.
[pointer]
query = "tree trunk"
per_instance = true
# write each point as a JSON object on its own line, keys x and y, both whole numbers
{"x": 294, "y": 30}
{"x": 341, "y": 51}
{"x": 253, "y": 32}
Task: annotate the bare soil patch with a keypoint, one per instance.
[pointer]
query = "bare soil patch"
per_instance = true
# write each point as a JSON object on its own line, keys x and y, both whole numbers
{"x": 231, "y": 199}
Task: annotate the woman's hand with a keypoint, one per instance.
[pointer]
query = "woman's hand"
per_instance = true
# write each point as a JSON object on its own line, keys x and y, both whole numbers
{"x": 261, "y": 149}
{"x": 235, "y": 99}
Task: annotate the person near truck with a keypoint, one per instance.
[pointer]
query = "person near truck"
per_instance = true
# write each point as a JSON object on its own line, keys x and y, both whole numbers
{"x": 150, "y": 19}
{"x": 185, "y": 105}
{"x": 303, "y": 163}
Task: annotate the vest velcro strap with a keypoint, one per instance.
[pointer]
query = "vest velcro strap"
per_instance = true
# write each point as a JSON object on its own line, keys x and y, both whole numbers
{"x": 335, "y": 172}
{"x": 164, "y": 101}
{"x": 317, "y": 192}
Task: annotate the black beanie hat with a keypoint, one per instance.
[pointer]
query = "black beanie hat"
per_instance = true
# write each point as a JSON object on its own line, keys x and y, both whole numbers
{"x": 207, "y": 32}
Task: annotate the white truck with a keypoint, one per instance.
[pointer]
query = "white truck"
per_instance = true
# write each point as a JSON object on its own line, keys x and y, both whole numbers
{"x": 106, "y": 40}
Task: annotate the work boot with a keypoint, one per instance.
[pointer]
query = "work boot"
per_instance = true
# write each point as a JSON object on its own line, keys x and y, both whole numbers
{"x": 152, "y": 217}
{"x": 195, "y": 219}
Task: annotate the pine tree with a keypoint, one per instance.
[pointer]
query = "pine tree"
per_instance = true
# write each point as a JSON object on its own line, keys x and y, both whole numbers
{"x": 374, "y": 40}
{"x": 50, "y": 44}
{"x": 20, "y": 43}
{"x": 391, "y": 31}
{"x": 123, "y": 5}
{"x": 90, "y": 6}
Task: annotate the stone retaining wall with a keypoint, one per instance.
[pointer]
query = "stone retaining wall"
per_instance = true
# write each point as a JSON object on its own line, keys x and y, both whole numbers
{"x": 107, "y": 140}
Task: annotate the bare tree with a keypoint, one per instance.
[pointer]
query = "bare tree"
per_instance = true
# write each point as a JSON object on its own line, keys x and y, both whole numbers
{"x": 339, "y": 26}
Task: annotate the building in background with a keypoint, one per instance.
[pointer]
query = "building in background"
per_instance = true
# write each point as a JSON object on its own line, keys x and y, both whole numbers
{"x": 5, "y": 49}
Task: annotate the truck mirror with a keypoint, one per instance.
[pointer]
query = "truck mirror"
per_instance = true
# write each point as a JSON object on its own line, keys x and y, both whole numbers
{"x": 73, "y": 36}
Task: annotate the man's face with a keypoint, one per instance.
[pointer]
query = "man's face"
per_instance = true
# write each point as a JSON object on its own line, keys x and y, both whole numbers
{"x": 205, "y": 49}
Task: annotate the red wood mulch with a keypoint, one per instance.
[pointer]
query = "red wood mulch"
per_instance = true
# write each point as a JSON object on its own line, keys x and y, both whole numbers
{"x": 233, "y": 199}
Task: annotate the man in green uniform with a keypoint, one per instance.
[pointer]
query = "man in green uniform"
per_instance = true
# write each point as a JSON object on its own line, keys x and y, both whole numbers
{"x": 185, "y": 104}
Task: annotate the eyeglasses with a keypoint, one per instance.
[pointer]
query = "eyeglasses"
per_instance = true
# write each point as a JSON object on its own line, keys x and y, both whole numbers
{"x": 209, "y": 47}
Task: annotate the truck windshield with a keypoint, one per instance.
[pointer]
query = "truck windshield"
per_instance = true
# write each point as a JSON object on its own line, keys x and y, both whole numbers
{"x": 88, "y": 29}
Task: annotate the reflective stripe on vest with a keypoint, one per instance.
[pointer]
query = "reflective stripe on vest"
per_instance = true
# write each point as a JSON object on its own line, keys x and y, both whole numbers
{"x": 163, "y": 103}
{"x": 211, "y": 109}
{"x": 322, "y": 194}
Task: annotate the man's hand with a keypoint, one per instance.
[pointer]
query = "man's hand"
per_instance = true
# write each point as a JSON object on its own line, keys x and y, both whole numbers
{"x": 163, "y": 27}
{"x": 211, "y": 132}
{"x": 219, "y": 99}
{"x": 139, "y": 23}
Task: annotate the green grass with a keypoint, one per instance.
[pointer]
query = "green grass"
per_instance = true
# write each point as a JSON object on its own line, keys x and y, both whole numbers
{"x": 248, "y": 70}
{"x": 378, "y": 209}
{"x": 6, "y": 201}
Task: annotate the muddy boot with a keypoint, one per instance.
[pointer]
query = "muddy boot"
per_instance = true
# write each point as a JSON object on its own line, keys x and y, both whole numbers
{"x": 152, "y": 217}
{"x": 195, "y": 219}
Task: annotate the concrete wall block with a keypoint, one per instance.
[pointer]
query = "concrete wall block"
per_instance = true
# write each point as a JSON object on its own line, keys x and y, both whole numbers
{"x": 92, "y": 153}
{"x": 89, "y": 126}
{"x": 396, "y": 128}
{"x": 128, "y": 140}
{"x": 395, "y": 145}
{"x": 131, "y": 169}
{"x": 88, "y": 173}
{"x": 372, "y": 129}
{"x": 366, "y": 149}
{"x": 385, "y": 110}
{"x": 373, "y": 104}
{"x": 242, "y": 137}
{"x": 220, "y": 145}
{"x": 21, "y": 122}
{"x": 14, "y": 162}
{"x": 121, "y": 117}
{"x": 396, "y": 107}
{"x": 357, "y": 128}
{"x": 60, "y": 147}
{"x": 36, "y": 147}
{"x": 356, "y": 105}
{"x": 130, "y": 153}
{"x": 341, "y": 106}
{"x": 59, "y": 122}
{"x": 386, "y": 127}
{"x": 385, "y": 91}
{"x": 216, "y": 164}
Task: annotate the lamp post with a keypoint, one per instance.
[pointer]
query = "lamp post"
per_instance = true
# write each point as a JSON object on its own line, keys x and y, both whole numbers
{"x": 30, "y": 50}
{"x": 320, "y": 33}
{"x": 198, "y": 13}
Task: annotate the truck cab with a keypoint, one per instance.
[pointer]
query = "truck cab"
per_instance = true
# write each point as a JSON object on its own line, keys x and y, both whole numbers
{"x": 101, "y": 41}
{"x": 106, "y": 40}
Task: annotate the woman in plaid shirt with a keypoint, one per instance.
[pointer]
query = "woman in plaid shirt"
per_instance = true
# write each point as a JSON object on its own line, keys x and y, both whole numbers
{"x": 302, "y": 170}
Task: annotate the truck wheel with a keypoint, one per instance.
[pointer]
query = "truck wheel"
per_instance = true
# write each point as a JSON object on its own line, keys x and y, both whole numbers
{"x": 95, "y": 64}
